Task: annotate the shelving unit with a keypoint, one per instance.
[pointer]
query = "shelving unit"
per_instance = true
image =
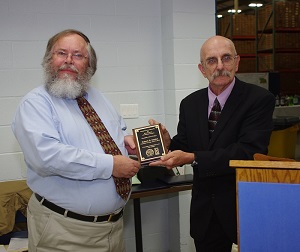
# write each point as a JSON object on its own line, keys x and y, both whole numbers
{"x": 240, "y": 28}
{"x": 278, "y": 43}
{"x": 275, "y": 37}
{"x": 278, "y": 40}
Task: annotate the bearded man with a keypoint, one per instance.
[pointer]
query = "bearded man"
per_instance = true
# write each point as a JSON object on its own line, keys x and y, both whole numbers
{"x": 76, "y": 203}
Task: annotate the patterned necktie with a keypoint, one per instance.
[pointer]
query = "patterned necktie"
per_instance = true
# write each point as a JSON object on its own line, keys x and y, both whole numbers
{"x": 214, "y": 116}
{"x": 123, "y": 185}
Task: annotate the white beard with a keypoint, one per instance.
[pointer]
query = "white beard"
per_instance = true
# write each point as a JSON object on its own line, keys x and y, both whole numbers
{"x": 65, "y": 87}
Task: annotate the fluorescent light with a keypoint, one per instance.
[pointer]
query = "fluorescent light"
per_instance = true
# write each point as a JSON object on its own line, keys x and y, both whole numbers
{"x": 255, "y": 5}
{"x": 234, "y": 11}
{"x": 219, "y": 16}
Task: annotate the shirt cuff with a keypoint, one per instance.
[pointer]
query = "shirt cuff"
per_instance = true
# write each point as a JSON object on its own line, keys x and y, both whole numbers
{"x": 104, "y": 166}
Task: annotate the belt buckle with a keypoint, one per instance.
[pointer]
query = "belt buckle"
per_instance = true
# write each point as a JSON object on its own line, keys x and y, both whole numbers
{"x": 110, "y": 216}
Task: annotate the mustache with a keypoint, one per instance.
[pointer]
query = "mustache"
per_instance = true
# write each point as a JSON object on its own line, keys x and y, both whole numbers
{"x": 221, "y": 73}
{"x": 69, "y": 67}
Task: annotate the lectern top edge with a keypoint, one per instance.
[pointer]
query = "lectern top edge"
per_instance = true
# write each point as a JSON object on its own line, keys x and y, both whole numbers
{"x": 252, "y": 164}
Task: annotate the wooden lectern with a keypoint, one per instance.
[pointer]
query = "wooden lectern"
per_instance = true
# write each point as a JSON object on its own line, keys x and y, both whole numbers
{"x": 268, "y": 205}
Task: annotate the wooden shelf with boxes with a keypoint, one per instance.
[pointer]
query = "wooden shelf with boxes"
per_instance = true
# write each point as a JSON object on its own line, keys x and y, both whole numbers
{"x": 278, "y": 36}
{"x": 237, "y": 25}
{"x": 245, "y": 47}
{"x": 241, "y": 30}
{"x": 278, "y": 43}
{"x": 279, "y": 61}
{"x": 279, "y": 15}
{"x": 268, "y": 40}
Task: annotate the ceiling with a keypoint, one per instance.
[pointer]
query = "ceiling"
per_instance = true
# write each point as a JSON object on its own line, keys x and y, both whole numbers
{"x": 224, "y": 5}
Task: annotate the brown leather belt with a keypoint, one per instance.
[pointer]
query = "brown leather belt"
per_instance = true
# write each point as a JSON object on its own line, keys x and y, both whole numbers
{"x": 70, "y": 214}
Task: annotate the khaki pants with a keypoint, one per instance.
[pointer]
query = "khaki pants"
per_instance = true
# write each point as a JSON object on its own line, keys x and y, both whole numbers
{"x": 234, "y": 248}
{"x": 49, "y": 231}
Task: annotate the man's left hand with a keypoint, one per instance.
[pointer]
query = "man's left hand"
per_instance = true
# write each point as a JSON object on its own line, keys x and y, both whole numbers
{"x": 130, "y": 145}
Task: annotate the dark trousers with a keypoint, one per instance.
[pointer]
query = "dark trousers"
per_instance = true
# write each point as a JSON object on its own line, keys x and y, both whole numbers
{"x": 215, "y": 239}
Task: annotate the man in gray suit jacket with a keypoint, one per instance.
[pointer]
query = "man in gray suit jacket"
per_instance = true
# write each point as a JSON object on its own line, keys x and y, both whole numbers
{"x": 243, "y": 128}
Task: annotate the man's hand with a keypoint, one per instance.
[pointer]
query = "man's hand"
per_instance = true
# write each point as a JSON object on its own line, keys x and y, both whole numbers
{"x": 125, "y": 167}
{"x": 174, "y": 159}
{"x": 130, "y": 145}
{"x": 165, "y": 132}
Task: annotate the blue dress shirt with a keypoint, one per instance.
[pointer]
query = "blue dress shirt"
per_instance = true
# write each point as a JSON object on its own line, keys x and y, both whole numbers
{"x": 66, "y": 163}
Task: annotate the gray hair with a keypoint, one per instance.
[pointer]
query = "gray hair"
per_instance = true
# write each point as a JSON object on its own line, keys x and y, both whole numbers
{"x": 52, "y": 41}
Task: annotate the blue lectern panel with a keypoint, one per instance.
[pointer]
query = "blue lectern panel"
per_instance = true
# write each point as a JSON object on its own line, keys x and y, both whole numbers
{"x": 269, "y": 216}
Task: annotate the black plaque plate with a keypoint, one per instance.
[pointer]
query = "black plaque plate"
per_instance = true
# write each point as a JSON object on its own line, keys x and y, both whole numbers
{"x": 149, "y": 143}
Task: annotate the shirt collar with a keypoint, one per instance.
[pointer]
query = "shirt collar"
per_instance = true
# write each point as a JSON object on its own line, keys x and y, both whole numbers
{"x": 222, "y": 98}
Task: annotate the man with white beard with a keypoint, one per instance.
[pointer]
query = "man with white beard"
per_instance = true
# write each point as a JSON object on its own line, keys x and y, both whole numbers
{"x": 76, "y": 204}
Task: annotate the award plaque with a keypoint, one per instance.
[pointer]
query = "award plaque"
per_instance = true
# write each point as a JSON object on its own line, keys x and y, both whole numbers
{"x": 149, "y": 143}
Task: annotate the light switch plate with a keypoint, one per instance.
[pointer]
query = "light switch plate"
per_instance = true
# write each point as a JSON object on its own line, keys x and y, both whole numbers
{"x": 129, "y": 110}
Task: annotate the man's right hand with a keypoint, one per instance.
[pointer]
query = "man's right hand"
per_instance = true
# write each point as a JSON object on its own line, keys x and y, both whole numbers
{"x": 174, "y": 158}
{"x": 125, "y": 167}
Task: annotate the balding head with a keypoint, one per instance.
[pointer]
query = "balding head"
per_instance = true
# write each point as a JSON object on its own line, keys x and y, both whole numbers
{"x": 219, "y": 62}
{"x": 216, "y": 42}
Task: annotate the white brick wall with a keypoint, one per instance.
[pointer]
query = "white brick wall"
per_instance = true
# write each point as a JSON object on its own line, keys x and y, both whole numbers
{"x": 148, "y": 51}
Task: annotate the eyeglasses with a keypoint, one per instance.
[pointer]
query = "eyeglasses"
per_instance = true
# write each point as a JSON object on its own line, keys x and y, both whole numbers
{"x": 227, "y": 60}
{"x": 64, "y": 55}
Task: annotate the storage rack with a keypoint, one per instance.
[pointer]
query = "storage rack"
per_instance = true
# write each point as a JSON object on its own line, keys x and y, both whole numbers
{"x": 276, "y": 41}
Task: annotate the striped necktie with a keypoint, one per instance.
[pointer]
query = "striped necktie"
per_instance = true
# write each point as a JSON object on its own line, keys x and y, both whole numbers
{"x": 214, "y": 116}
{"x": 123, "y": 185}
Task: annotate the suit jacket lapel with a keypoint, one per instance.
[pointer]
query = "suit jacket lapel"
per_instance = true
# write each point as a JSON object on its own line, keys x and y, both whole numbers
{"x": 203, "y": 118}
